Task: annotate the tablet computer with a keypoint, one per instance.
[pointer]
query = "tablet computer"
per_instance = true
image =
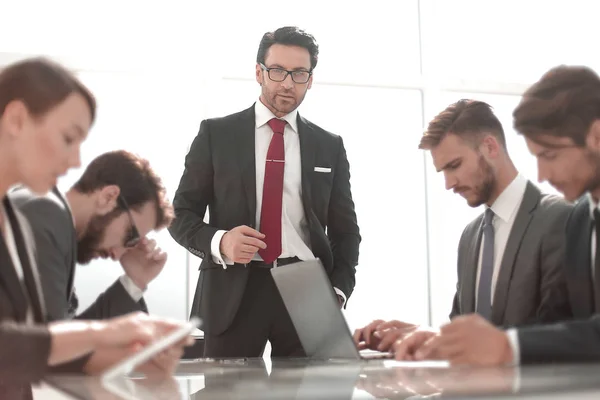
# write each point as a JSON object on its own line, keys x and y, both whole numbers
{"x": 125, "y": 367}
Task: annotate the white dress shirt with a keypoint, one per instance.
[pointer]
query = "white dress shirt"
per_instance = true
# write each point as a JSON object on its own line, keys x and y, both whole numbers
{"x": 295, "y": 238}
{"x": 593, "y": 206}
{"x": 9, "y": 239}
{"x": 130, "y": 287}
{"x": 505, "y": 210}
{"x": 513, "y": 337}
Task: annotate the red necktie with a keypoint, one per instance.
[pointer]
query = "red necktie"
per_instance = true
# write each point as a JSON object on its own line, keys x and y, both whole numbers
{"x": 270, "y": 214}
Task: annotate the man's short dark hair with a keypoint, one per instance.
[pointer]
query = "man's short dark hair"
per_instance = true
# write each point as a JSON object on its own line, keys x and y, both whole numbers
{"x": 289, "y": 36}
{"x": 137, "y": 182}
{"x": 563, "y": 103}
{"x": 467, "y": 119}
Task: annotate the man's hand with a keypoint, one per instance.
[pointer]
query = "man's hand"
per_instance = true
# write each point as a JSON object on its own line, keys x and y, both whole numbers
{"x": 241, "y": 244}
{"x": 380, "y": 335}
{"x": 469, "y": 339}
{"x": 406, "y": 349}
{"x": 144, "y": 262}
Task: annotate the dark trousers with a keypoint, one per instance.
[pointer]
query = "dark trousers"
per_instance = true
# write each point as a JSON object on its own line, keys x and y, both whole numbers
{"x": 261, "y": 316}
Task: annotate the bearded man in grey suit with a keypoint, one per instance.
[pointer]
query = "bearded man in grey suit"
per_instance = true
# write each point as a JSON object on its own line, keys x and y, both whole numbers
{"x": 511, "y": 257}
{"x": 107, "y": 214}
{"x": 559, "y": 117}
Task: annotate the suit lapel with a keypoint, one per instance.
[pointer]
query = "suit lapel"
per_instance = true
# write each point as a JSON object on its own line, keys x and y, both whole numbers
{"x": 524, "y": 215}
{"x": 469, "y": 273}
{"x": 30, "y": 272}
{"x": 578, "y": 261}
{"x": 246, "y": 130}
{"x": 308, "y": 148}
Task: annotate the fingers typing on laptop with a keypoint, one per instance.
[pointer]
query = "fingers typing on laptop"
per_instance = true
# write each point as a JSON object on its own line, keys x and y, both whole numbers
{"x": 467, "y": 339}
{"x": 380, "y": 335}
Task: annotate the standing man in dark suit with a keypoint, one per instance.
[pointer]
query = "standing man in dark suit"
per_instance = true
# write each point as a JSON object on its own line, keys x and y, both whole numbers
{"x": 560, "y": 119}
{"x": 278, "y": 189}
{"x": 510, "y": 258}
{"x": 117, "y": 201}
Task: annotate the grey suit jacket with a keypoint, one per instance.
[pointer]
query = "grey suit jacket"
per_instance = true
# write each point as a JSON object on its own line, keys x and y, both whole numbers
{"x": 56, "y": 242}
{"x": 531, "y": 281}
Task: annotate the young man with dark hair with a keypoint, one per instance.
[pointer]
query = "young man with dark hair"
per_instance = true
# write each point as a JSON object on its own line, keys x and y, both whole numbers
{"x": 559, "y": 116}
{"x": 277, "y": 188}
{"x": 108, "y": 213}
{"x": 510, "y": 258}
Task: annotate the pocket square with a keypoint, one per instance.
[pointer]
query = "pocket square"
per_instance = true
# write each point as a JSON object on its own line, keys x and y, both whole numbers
{"x": 322, "y": 169}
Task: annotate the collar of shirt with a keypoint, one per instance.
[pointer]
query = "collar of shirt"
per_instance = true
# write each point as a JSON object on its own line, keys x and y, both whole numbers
{"x": 506, "y": 205}
{"x": 593, "y": 205}
{"x": 263, "y": 115}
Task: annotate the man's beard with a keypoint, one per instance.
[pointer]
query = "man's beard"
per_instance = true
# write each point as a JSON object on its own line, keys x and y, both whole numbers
{"x": 485, "y": 189}
{"x": 87, "y": 246}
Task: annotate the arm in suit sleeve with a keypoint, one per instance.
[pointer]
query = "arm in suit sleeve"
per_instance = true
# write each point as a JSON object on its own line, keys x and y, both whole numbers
{"x": 342, "y": 227}
{"x": 114, "y": 302}
{"x": 193, "y": 195}
{"x": 455, "y": 305}
{"x": 24, "y": 352}
{"x": 554, "y": 302}
{"x": 456, "y": 301}
{"x": 573, "y": 341}
{"x": 49, "y": 223}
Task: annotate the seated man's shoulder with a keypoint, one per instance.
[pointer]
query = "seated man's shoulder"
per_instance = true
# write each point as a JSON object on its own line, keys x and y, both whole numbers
{"x": 30, "y": 203}
{"x": 553, "y": 207}
{"x": 554, "y": 203}
{"x": 474, "y": 224}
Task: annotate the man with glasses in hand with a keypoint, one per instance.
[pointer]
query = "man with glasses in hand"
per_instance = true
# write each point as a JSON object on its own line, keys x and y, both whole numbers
{"x": 277, "y": 188}
{"x": 108, "y": 213}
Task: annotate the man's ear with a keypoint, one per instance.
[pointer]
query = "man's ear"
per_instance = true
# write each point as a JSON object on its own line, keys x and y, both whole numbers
{"x": 259, "y": 74}
{"x": 490, "y": 146}
{"x": 106, "y": 199}
{"x": 593, "y": 137}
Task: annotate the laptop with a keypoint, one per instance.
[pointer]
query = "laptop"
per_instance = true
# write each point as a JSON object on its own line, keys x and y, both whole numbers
{"x": 314, "y": 310}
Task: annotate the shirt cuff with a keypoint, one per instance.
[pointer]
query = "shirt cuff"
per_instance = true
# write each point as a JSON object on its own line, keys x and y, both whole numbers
{"x": 134, "y": 292}
{"x": 341, "y": 294}
{"x": 513, "y": 340}
{"x": 215, "y": 250}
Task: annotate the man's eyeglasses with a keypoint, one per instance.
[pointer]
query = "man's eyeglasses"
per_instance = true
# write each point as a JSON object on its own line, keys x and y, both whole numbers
{"x": 279, "y": 74}
{"x": 133, "y": 235}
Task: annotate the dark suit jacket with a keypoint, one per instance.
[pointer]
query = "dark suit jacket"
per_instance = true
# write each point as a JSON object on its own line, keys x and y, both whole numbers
{"x": 220, "y": 174}
{"x": 531, "y": 284}
{"x": 578, "y": 340}
{"x": 578, "y": 264}
{"x": 572, "y": 341}
{"x": 24, "y": 349}
{"x": 56, "y": 243}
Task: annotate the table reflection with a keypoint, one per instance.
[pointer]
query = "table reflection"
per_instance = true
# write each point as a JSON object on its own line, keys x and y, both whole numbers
{"x": 305, "y": 379}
